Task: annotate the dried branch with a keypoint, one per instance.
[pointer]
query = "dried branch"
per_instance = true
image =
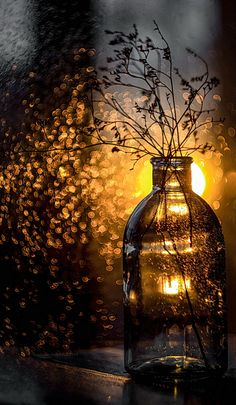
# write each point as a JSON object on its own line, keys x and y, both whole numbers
{"x": 155, "y": 122}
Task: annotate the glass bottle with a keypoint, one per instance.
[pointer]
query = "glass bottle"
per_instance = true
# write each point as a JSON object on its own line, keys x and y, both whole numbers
{"x": 174, "y": 281}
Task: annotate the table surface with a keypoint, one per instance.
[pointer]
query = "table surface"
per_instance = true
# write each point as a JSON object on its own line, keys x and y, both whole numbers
{"x": 96, "y": 377}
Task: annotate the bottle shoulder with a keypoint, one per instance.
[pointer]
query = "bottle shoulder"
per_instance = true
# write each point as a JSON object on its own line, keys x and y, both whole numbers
{"x": 143, "y": 214}
{"x": 202, "y": 206}
{"x": 147, "y": 212}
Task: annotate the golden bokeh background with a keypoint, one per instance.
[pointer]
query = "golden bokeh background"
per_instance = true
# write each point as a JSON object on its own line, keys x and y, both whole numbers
{"x": 63, "y": 212}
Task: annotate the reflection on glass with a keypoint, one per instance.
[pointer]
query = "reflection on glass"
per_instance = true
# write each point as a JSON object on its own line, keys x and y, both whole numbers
{"x": 174, "y": 281}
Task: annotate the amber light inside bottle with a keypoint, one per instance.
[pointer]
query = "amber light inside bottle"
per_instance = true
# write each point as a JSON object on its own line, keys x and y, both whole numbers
{"x": 174, "y": 282}
{"x": 173, "y": 285}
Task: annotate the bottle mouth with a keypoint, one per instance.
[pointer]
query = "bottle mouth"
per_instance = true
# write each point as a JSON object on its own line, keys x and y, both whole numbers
{"x": 171, "y": 161}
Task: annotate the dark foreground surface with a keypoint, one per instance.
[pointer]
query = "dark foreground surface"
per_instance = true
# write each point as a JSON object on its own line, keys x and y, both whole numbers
{"x": 37, "y": 381}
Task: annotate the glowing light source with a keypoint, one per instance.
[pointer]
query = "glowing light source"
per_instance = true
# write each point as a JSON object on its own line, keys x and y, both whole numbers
{"x": 198, "y": 179}
{"x": 145, "y": 179}
{"x": 133, "y": 296}
{"x": 62, "y": 171}
{"x": 180, "y": 209}
{"x": 175, "y": 285}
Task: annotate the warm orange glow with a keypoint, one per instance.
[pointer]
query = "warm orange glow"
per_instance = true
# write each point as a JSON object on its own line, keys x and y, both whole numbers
{"x": 133, "y": 296}
{"x": 62, "y": 171}
{"x": 175, "y": 285}
{"x": 145, "y": 179}
{"x": 198, "y": 179}
{"x": 179, "y": 209}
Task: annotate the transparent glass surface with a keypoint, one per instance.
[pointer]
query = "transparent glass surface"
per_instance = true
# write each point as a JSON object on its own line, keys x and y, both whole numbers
{"x": 174, "y": 281}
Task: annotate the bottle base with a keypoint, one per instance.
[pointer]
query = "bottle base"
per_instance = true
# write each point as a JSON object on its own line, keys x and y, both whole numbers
{"x": 170, "y": 369}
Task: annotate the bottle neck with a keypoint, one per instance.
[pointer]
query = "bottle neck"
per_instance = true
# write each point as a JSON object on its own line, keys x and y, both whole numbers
{"x": 173, "y": 174}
